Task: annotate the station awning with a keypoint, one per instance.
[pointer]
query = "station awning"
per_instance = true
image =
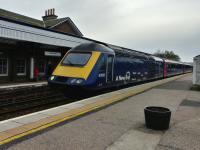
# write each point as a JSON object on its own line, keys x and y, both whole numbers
{"x": 23, "y": 32}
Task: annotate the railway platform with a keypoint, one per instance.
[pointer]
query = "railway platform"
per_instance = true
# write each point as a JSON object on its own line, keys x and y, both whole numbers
{"x": 113, "y": 121}
{"x": 22, "y": 85}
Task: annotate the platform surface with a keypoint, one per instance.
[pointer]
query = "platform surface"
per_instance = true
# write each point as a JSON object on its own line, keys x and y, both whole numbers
{"x": 121, "y": 126}
{"x": 23, "y": 84}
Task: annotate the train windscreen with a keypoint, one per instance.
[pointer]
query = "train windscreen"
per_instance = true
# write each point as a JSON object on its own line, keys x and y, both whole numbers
{"x": 76, "y": 59}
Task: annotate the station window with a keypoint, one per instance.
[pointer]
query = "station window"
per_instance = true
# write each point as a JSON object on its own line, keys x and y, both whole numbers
{"x": 3, "y": 66}
{"x": 21, "y": 67}
{"x": 41, "y": 66}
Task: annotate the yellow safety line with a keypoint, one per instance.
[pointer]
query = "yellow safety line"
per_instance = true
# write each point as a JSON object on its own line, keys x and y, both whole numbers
{"x": 94, "y": 106}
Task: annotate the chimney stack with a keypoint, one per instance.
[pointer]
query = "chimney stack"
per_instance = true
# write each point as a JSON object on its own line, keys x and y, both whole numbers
{"x": 53, "y": 11}
{"x": 49, "y": 15}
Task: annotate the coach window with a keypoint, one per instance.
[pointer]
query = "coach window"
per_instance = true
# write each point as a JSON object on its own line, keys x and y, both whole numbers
{"x": 21, "y": 67}
{"x": 3, "y": 66}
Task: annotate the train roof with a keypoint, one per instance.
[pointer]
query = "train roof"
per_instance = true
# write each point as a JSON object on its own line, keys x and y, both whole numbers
{"x": 111, "y": 49}
{"x": 172, "y": 61}
{"x": 91, "y": 46}
{"x": 188, "y": 64}
{"x": 118, "y": 49}
{"x": 122, "y": 49}
{"x": 157, "y": 58}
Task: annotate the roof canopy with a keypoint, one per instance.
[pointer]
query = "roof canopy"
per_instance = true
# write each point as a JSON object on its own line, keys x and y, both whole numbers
{"x": 10, "y": 29}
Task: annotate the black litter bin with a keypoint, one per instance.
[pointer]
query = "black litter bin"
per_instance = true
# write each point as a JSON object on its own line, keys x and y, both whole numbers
{"x": 157, "y": 118}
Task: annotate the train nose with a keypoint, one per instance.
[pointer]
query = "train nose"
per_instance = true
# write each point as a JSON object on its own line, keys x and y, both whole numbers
{"x": 66, "y": 80}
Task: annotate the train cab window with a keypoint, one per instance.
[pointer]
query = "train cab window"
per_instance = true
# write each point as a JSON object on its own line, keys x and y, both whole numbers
{"x": 3, "y": 66}
{"x": 21, "y": 66}
{"x": 76, "y": 59}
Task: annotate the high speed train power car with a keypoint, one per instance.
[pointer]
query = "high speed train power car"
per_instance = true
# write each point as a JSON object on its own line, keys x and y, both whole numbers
{"x": 96, "y": 66}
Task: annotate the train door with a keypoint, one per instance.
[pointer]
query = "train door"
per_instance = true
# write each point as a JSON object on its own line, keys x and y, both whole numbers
{"x": 165, "y": 70}
{"x": 152, "y": 69}
{"x": 109, "y": 68}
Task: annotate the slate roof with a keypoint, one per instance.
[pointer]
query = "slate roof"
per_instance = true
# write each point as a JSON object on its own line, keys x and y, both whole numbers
{"x": 21, "y": 18}
{"x": 35, "y": 22}
{"x": 53, "y": 22}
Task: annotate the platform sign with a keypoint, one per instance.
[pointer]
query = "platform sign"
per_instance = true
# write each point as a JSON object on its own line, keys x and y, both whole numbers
{"x": 196, "y": 70}
{"x": 53, "y": 54}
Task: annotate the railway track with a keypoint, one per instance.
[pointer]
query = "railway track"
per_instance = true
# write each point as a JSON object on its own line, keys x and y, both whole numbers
{"x": 16, "y": 102}
{"x": 20, "y": 101}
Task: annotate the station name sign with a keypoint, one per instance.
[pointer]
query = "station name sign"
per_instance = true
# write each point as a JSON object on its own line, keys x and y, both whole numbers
{"x": 54, "y": 54}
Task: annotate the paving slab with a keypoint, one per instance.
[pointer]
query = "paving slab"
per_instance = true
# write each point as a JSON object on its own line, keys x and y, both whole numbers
{"x": 71, "y": 106}
{"x": 18, "y": 85}
{"x": 53, "y": 112}
{"x": 132, "y": 140}
{"x": 9, "y": 125}
{"x": 185, "y": 134}
{"x": 30, "y": 118}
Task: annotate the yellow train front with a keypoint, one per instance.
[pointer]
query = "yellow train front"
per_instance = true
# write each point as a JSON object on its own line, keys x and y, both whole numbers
{"x": 83, "y": 67}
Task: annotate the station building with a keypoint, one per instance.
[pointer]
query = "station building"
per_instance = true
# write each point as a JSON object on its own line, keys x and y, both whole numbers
{"x": 26, "y": 43}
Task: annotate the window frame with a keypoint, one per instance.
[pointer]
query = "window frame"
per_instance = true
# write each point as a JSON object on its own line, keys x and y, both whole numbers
{"x": 44, "y": 68}
{"x": 5, "y": 74}
{"x": 76, "y": 65}
{"x": 21, "y": 74}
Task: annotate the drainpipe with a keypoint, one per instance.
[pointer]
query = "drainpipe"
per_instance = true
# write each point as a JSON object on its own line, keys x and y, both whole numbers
{"x": 31, "y": 68}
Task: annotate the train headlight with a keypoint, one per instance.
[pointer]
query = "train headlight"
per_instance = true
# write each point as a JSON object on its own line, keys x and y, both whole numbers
{"x": 75, "y": 81}
{"x": 52, "y": 77}
{"x": 79, "y": 81}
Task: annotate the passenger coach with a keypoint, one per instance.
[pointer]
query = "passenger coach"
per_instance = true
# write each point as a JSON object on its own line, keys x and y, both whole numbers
{"x": 96, "y": 66}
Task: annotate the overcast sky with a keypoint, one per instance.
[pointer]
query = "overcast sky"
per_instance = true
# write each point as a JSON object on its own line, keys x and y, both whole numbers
{"x": 145, "y": 25}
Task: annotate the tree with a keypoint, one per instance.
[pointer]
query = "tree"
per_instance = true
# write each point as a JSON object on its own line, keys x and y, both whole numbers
{"x": 167, "y": 55}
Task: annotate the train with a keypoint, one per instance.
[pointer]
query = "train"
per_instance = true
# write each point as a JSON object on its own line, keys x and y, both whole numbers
{"x": 94, "y": 66}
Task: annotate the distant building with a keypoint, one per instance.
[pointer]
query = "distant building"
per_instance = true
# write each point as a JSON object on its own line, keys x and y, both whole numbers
{"x": 27, "y": 43}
